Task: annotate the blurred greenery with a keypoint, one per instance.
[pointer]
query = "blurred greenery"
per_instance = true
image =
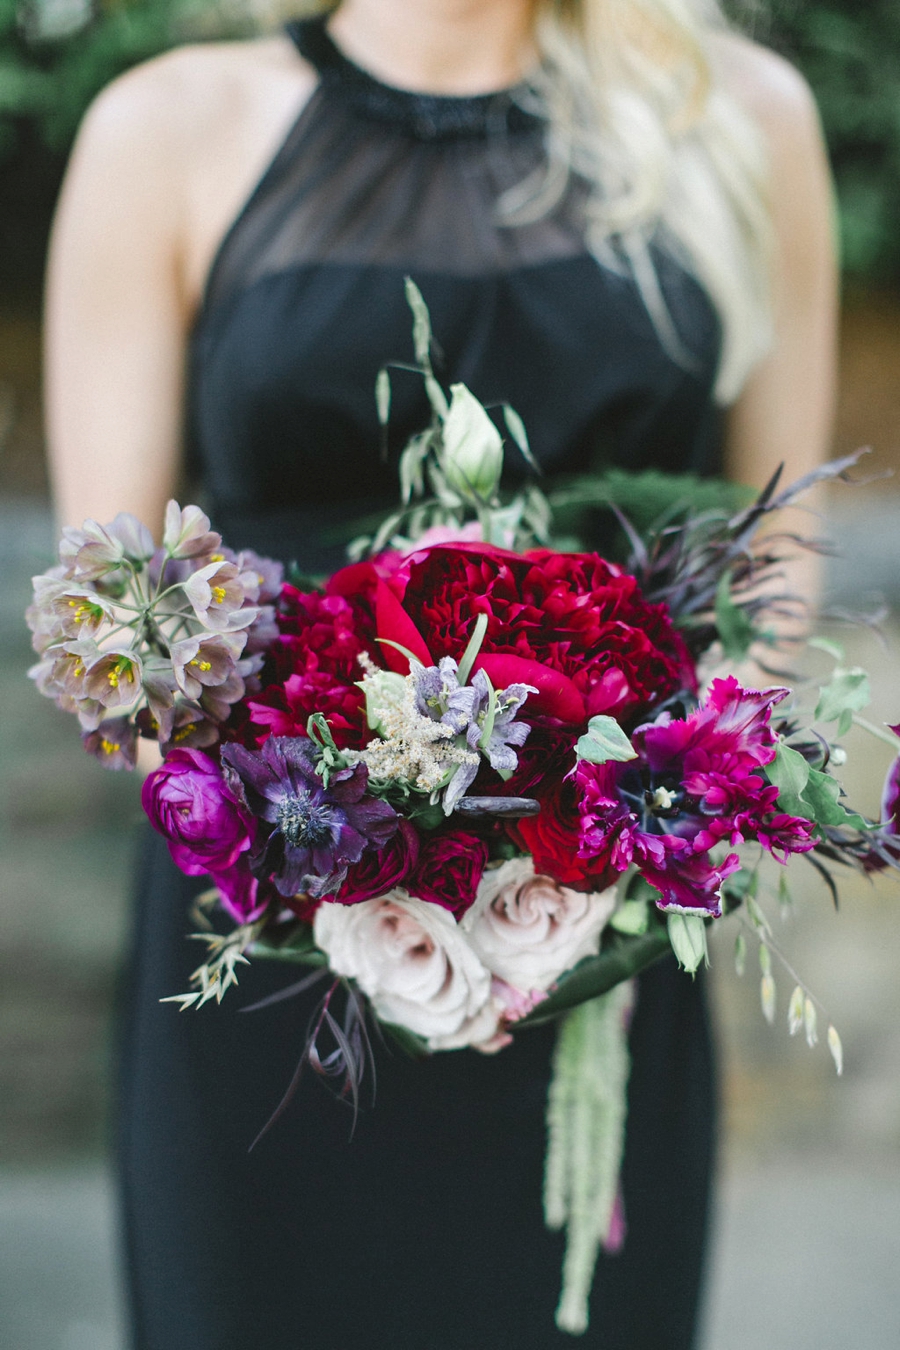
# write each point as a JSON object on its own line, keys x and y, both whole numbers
{"x": 56, "y": 54}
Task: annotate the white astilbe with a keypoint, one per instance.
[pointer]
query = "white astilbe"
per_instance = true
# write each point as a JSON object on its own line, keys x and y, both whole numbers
{"x": 411, "y": 748}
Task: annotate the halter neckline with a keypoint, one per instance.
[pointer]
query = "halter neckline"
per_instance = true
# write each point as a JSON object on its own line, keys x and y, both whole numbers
{"x": 427, "y": 117}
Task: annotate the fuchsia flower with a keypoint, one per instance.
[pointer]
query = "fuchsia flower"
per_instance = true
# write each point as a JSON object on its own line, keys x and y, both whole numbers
{"x": 188, "y": 801}
{"x": 695, "y": 784}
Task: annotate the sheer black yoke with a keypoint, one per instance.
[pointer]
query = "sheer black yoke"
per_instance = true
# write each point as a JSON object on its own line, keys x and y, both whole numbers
{"x": 305, "y": 302}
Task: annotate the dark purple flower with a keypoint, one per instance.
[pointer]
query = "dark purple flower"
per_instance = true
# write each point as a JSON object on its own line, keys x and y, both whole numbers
{"x": 376, "y": 873}
{"x": 316, "y": 832}
{"x": 188, "y": 801}
{"x": 694, "y": 785}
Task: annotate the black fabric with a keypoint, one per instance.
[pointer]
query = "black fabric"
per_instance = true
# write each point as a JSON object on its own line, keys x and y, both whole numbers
{"x": 425, "y": 1232}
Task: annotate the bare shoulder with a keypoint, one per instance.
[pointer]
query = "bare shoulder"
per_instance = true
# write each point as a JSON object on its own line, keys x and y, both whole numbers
{"x": 772, "y": 90}
{"x": 193, "y": 97}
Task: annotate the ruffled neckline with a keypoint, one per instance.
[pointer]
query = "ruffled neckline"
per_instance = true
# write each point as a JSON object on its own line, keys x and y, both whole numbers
{"x": 427, "y": 117}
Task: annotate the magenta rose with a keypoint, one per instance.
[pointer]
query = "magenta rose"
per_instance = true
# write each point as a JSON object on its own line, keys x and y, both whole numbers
{"x": 243, "y": 895}
{"x": 449, "y": 869}
{"x": 380, "y": 870}
{"x": 187, "y": 801}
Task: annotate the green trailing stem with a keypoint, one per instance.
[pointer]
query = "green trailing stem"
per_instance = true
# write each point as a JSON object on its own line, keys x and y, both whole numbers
{"x": 586, "y": 1111}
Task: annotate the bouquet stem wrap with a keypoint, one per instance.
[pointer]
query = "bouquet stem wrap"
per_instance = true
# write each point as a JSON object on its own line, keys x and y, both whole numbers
{"x": 586, "y": 1110}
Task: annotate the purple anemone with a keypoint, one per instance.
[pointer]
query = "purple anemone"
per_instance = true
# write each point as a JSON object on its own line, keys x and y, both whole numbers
{"x": 694, "y": 784}
{"x": 315, "y": 832}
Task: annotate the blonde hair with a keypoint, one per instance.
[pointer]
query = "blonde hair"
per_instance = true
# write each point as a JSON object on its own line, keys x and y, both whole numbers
{"x": 670, "y": 159}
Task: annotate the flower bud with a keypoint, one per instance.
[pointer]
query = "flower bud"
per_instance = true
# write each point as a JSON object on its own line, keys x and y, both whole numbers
{"x": 472, "y": 457}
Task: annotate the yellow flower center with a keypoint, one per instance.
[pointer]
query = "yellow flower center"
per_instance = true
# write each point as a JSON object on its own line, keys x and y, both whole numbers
{"x": 201, "y": 665}
{"x": 218, "y": 594}
{"x": 109, "y": 747}
{"x": 121, "y": 670}
{"x": 183, "y": 732}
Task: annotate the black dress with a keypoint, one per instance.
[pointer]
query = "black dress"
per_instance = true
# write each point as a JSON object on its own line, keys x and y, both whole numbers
{"x": 425, "y": 1232}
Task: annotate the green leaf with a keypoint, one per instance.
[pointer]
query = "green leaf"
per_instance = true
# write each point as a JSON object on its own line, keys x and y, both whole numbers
{"x": 822, "y": 796}
{"x": 789, "y": 772}
{"x": 383, "y": 396}
{"x": 847, "y": 692}
{"x": 621, "y": 958}
{"x": 473, "y": 647}
{"x": 833, "y": 649}
{"x": 809, "y": 793}
{"x": 604, "y": 740}
{"x": 516, "y": 428}
{"x": 736, "y": 631}
{"x": 407, "y": 1040}
{"x": 687, "y": 935}
{"x": 421, "y": 324}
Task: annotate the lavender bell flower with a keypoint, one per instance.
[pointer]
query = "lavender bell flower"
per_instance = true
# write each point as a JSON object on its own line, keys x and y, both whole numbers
{"x": 216, "y": 595}
{"x": 205, "y": 661}
{"x": 316, "y": 832}
{"x": 187, "y": 534}
{"x": 466, "y": 710}
{"x": 114, "y": 743}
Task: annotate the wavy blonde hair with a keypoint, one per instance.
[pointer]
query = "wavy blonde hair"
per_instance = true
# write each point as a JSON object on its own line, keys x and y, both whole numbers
{"x": 634, "y": 107}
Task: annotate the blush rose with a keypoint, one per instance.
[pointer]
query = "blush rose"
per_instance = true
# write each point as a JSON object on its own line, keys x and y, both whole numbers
{"x": 414, "y": 963}
{"x": 528, "y": 929}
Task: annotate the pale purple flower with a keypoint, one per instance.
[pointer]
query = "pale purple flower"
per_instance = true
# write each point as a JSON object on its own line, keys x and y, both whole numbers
{"x": 187, "y": 534}
{"x": 464, "y": 708}
{"x": 190, "y": 728}
{"x": 106, "y": 547}
{"x": 205, "y": 661}
{"x": 315, "y": 832}
{"x": 113, "y": 678}
{"x": 216, "y": 595}
{"x": 113, "y": 743}
{"x": 269, "y": 574}
{"x": 80, "y": 612}
{"x": 694, "y": 784}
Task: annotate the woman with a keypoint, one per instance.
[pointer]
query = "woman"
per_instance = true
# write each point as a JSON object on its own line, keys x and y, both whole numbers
{"x": 627, "y": 237}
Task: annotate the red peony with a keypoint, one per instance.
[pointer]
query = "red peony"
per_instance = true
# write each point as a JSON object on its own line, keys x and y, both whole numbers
{"x": 572, "y": 625}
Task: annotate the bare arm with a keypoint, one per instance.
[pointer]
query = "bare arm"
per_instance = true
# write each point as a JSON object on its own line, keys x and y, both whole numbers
{"x": 116, "y": 314}
{"x": 785, "y": 411}
{"x": 163, "y": 162}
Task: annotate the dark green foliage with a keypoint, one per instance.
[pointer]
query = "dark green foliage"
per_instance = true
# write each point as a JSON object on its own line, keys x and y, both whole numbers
{"x": 49, "y": 72}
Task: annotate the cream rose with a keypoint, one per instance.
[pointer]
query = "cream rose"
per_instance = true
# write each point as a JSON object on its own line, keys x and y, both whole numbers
{"x": 528, "y": 929}
{"x": 414, "y": 963}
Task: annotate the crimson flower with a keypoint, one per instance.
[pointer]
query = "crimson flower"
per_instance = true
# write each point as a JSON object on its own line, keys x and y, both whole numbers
{"x": 694, "y": 784}
{"x": 573, "y": 626}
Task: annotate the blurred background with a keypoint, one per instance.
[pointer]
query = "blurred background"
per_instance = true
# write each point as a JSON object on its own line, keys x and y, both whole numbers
{"x": 808, "y": 1215}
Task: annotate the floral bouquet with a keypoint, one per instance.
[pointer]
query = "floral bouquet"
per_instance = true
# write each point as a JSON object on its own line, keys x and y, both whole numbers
{"x": 470, "y": 780}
